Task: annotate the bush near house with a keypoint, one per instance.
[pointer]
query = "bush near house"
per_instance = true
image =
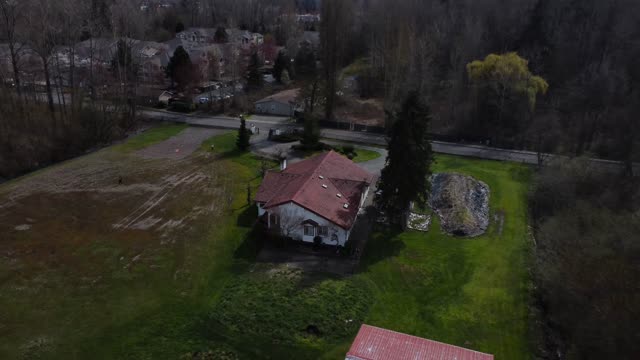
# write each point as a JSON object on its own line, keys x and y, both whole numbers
{"x": 182, "y": 106}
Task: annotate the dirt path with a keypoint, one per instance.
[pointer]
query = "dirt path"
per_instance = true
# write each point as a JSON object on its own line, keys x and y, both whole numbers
{"x": 179, "y": 146}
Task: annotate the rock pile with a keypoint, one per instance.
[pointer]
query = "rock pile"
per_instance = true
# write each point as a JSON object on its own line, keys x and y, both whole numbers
{"x": 461, "y": 202}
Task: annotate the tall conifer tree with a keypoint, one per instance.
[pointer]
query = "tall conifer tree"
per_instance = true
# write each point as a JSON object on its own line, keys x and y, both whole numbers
{"x": 405, "y": 178}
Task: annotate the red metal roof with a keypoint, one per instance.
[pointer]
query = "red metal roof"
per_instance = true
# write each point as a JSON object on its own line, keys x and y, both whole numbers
{"x": 373, "y": 343}
{"x": 314, "y": 185}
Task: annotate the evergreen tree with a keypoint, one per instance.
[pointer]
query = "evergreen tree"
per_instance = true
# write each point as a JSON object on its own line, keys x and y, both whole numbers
{"x": 180, "y": 69}
{"x": 254, "y": 76}
{"x": 179, "y": 27}
{"x": 282, "y": 63}
{"x": 311, "y": 132}
{"x": 221, "y": 36}
{"x": 242, "y": 141}
{"x": 405, "y": 178}
{"x": 305, "y": 64}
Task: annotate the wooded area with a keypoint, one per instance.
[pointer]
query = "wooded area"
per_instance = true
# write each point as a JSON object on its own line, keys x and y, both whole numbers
{"x": 586, "y": 262}
{"x": 585, "y": 51}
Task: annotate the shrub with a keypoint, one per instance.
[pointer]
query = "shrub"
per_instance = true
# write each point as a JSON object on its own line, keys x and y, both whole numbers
{"x": 182, "y": 106}
{"x": 286, "y": 138}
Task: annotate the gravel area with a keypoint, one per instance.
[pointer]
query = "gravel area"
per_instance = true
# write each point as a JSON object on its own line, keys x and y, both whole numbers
{"x": 419, "y": 222}
{"x": 461, "y": 202}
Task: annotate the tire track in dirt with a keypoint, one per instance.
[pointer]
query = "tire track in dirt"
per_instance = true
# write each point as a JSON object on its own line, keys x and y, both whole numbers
{"x": 130, "y": 220}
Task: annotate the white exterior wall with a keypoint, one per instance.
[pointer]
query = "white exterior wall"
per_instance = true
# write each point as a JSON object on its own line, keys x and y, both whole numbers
{"x": 292, "y": 217}
{"x": 261, "y": 211}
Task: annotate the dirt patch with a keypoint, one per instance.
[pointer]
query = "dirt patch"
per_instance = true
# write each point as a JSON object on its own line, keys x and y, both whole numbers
{"x": 72, "y": 214}
{"x": 362, "y": 112}
{"x": 461, "y": 202}
{"x": 179, "y": 146}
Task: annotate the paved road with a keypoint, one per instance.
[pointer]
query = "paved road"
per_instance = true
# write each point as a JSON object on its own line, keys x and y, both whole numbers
{"x": 478, "y": 151}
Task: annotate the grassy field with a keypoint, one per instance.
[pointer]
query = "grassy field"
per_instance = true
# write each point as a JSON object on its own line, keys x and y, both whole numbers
{"x": 468, "y": 292}
{"x": 77, "y": 286}
{"x": 145, "y": 139}
{"x": 363, "y": 155}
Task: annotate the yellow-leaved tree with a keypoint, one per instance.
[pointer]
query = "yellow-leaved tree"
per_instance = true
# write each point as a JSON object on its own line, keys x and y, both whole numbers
{"x": 508, "y": 72}
{"x": 505, "y": 81}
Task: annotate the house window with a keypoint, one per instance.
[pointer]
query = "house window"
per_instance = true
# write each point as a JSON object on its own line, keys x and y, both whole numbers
{"x": 309, "y": 230}
{"x": 323, "y": 231}
{"x": 275, "y": 219}
{"x": 273, "y": 107}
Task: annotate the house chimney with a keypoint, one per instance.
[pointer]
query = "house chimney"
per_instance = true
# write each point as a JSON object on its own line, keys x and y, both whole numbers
{"x": 283, "y": 164}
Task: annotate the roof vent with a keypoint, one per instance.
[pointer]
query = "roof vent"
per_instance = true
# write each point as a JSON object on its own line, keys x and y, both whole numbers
{"x": 339, "y": 195}
{"x": 324, "y": 186}
{"x": 321, "y": 177}
{"x": 346, "y": 206}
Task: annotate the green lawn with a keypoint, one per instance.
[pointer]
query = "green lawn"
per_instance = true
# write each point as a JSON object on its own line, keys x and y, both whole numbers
{"x": 150, "y": 137}
{"x": 363, "y": 155}
{"x": 467, "y": 292}
{"x": 203, "y": 290}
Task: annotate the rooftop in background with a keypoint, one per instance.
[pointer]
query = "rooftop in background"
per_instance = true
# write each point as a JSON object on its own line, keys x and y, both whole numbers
{"x": 374, "y": 343}
{"x": 285, "y": 97}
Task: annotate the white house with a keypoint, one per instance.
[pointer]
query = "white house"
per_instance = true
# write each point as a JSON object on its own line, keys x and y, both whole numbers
{"x": 282, "y": 103}
{"x": 317, "y": 197}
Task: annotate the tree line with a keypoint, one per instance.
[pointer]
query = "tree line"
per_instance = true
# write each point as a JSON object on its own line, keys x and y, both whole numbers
{"x": 549, "y": 76}
{"x": 53, "y": 108}
{"x": 585, "y": 51}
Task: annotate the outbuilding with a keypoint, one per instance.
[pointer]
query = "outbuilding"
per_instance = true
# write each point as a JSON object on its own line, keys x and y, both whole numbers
{"x": 281, "y": 104}
{"x": 374, "y": 343}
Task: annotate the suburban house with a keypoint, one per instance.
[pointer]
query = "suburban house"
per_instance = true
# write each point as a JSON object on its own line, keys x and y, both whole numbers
{"x": 282, "y": 103}
{"x": 317, "y": 199}
{"x": 165, "y": 97}
{"x": 374, "y": 343}
{"x": 244, "y": 37}
{"x": 197, "y": 35}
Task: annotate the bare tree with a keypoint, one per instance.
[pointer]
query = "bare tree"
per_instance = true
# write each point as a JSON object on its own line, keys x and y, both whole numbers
{"x": 336, "y": 16}
{"x": 127, "y": 26}
{"x": 11, "y": 15}
{"x": 288, "y": 221}
{"x": 42, "y": 36}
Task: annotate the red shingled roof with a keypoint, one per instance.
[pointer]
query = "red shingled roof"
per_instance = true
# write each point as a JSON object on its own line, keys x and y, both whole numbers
{"x": 302, "y": 183}
{"x": 373, "y": 343}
